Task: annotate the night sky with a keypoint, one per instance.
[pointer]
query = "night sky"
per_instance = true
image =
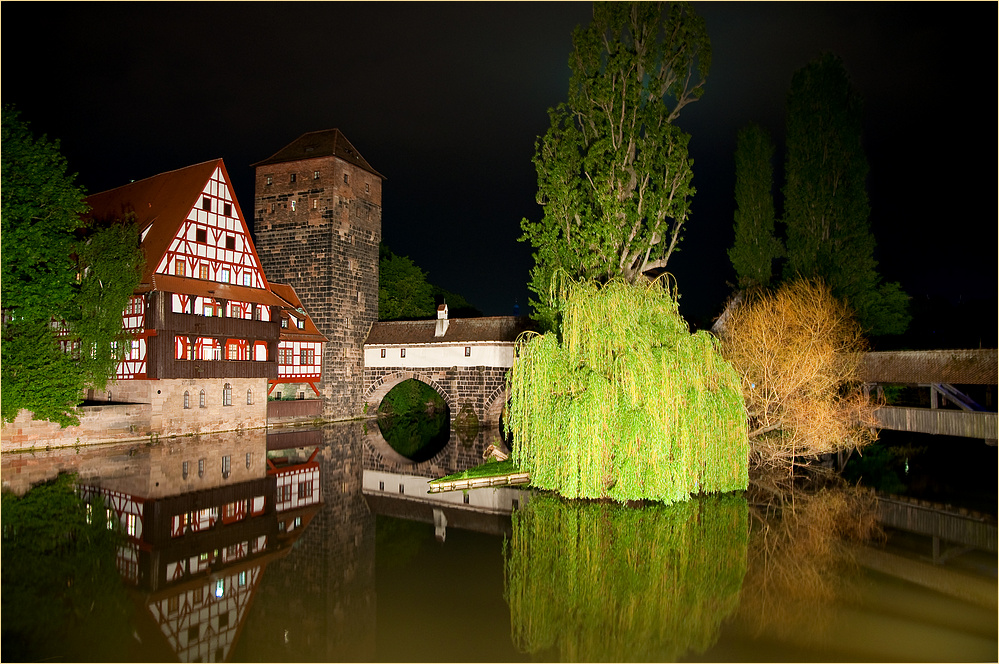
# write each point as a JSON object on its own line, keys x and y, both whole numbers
{"x": 446, "y": 101}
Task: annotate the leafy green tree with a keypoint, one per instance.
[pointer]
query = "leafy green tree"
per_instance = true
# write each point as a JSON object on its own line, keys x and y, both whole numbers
{"x": 826, "y": 210}
{"x": 614, "y": 176}
{"x": 403, "y": 291}
{"x": 63, "y": 281}
{"x": 755, "y": 247}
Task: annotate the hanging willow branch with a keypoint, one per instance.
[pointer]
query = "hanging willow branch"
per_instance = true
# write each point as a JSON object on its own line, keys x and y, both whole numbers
{"x": 628, "y": 404}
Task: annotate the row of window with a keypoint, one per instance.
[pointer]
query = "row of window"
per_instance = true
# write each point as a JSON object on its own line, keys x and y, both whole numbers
{"x": 305, "y": 490}
{"x": 206, "y": 204}
{"x": 226, "y": 464}
{"x": 226, "y": 401}
{"x": 293, "y": 177}
{"x": 402, "y": 352}
{"x": 306, "y": 356}
{"x": 225, "y": 275}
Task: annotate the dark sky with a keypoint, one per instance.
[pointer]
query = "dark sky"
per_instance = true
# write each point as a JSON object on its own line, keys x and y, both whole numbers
{"x": 446, "y": 101}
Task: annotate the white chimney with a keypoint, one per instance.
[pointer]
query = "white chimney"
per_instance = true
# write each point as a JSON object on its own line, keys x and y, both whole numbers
{"x": 442, "y": 321}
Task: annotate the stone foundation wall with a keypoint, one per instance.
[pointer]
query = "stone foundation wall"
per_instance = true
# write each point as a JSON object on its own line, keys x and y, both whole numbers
{"x": 152, "y": 408}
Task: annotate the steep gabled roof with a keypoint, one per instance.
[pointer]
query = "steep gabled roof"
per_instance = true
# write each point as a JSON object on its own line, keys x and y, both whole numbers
{"x": 406, "y": 332}
{"x": 307, "y": 333}
{"x": 160, "y": 204}
{"x": 314, "y": 144}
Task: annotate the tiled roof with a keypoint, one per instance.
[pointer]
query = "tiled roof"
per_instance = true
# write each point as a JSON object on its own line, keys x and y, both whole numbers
{"x": 491, "y": 328}
{"x": 160, "y": 204}
{"x": 326, "y": 143}
{"x": 308, "y": 333}
{"x": 914, "y": 367}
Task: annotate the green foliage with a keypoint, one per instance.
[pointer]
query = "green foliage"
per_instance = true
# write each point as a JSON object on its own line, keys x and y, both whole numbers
{"x": 597, "y": 582}
{"x": 46, "y": 248}
{"x": 111, "y": 263}
{"x": 62, "y": 595}
{"x": 755, "y": 247}
{"x": 403, "y": 291}
{"x": 627, "y": 404}
{"x": 826, "y": 210}
{"x": 491, "y": 468}
{"x": 41, "y": 209}
{"x": 614, "y": 176}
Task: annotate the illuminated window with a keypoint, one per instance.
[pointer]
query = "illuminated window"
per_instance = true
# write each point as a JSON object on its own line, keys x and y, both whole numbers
{"x": 468, "y": 351}
{"x": 293, "y": 206}
{"x": 130, "y": 525}
{"x": 227, "y": 395}
{"x": 293, "y": 177}
{"x": 220, "y": 587}
{"x": 402, "y": 352}
{"x": 249, "y": 402}
{"x": 246, "y": 278}
{"x": 315, "y": 175}
{"x": 206, "y": 203}
{"x": 383, "y": 352}
{"x": 227, "y": 209}
{"x": 315, "y": 203}
{"x": 201, "y": 235}
{"x": 187, "y": 399}
{"x": 232, "y": 352}
{"x": 224, "y": 276}
{"x": 203, "y": 272}
{"x": 270, "y": 181}
{"x": 178, "y": 267}
{"x": 242, "y": 578}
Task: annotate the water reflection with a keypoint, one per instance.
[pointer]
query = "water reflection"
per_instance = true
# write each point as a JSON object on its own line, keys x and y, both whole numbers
{"x": 364, "y": 564}
{"x": 593, "y": 581}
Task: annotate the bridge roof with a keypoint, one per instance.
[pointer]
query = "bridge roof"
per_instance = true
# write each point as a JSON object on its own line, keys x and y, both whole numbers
{"x": 413, "y": 332}
{"x": 957, "y": 367}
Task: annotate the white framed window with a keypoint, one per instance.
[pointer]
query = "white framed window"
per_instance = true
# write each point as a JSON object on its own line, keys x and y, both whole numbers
{"x": 227, "y": 395}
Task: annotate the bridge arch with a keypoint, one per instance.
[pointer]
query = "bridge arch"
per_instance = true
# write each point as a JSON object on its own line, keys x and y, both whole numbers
{"x": 378, "y": 389}
{"x": 494, "y": 405}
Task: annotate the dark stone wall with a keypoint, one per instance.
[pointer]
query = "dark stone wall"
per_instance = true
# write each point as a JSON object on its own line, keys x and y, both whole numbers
{"x": 321, "y": 235}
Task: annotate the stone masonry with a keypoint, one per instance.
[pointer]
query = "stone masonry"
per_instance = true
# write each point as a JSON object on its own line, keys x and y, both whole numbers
{"x": 317, "y": 221}
{"x": 481, "y": 388}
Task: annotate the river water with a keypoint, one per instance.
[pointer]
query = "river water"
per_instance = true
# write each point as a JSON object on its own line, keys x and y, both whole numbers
{"x": 324, "y": 545}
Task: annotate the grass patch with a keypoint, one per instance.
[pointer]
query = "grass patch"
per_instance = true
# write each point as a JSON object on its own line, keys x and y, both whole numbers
{"x": 491, "y": 468}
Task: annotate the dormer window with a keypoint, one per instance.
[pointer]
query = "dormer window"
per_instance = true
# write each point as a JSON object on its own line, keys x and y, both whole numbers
{"x": 284, "y": 322}
{"x": 206, "y": 203}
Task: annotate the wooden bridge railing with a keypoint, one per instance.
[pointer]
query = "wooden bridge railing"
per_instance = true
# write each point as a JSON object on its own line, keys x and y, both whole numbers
{"x": 938, "y": 421}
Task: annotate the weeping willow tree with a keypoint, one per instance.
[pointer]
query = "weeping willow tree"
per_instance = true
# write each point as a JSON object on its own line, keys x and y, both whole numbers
{"x": 626, "y": 403}
{"x": 600, "y": 582}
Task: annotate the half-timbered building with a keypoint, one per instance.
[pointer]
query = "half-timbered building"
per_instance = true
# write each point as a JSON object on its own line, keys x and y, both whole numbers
{"x": 206, "y": 323}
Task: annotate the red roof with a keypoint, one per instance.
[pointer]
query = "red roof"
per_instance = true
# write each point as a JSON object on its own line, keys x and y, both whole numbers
{"x": 160, "y": 205}
{"x": 291, "y": 333}
{"x": 489, "y": 328}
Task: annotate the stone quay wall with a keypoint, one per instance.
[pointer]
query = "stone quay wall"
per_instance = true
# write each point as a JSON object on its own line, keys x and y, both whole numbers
{"x": 148, "y": 409}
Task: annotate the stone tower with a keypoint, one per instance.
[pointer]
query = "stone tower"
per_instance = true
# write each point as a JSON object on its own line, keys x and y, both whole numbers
{"x": 318, "y": 223}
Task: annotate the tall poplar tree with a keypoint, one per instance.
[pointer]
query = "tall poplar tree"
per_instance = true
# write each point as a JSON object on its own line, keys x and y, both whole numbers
{"x": 755, "y": 247}
{"x": 614, "y": 176}
{"x": 826, "y": 210}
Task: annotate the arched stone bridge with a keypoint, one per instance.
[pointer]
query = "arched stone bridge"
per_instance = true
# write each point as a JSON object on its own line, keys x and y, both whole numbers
{"x": 465, "y": 360}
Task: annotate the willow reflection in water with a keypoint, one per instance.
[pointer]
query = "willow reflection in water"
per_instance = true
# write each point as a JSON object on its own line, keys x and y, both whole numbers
{"x": 606, "y": 582}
